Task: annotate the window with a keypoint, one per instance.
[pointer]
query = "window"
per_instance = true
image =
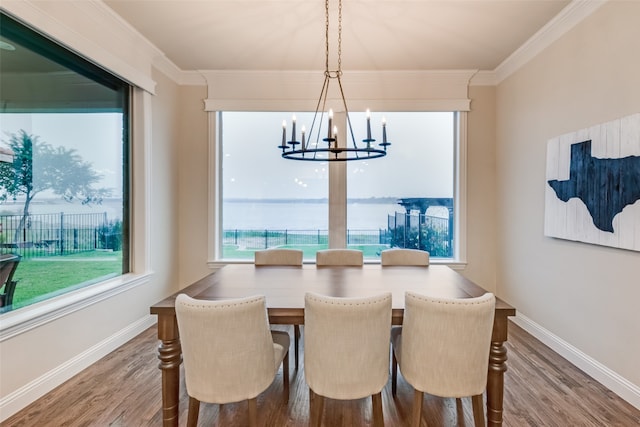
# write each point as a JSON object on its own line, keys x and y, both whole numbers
{"x": 405, "y": 199}
{"x": 64, "y": 170}
{"x": 268, "y": 201}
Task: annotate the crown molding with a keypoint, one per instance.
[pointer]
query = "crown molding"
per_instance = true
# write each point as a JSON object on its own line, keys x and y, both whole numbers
{"x": 484, "y": 78}
{"x": 134, "y": 55}
{"x": 112, "y": 43}
{"x": 574, "y": 13}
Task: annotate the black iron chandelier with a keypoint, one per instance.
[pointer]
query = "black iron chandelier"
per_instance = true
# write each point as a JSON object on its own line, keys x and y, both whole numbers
{"x": 329, "y": 149}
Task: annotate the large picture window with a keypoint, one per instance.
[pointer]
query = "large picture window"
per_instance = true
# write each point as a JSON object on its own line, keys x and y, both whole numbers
{"x": 63, "y": 170}
{"x": 406, "y": 199}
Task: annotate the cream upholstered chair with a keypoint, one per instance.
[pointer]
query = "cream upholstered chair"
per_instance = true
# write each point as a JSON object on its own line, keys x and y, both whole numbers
{"x": 278, "y": 256}
{"x": 409, "y": 257}
{"x": 339, "y": 257}
{"x": 443, "y": 348}
{"x": 229, "y": 352}
{"x": 286, "y": 257}
{"x": 345, "y": 353}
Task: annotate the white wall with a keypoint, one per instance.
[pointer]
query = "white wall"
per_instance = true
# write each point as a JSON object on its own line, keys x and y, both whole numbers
{"x": 582, "y": 297}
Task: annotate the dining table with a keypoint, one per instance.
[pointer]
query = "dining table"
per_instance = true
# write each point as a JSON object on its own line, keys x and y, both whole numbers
{"x": 285, "y": 287}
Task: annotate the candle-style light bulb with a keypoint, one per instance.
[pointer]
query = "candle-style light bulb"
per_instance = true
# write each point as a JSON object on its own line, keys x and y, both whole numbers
{"x": 293, "y": 128}
{"x": 303, "y": 131}
{"x": 335, "y": 136}
{"x": 330, "y": 123}
{"x": 284, "y": 133}
{"x": 384, "y": 130}
{"x": 368, "y": 124}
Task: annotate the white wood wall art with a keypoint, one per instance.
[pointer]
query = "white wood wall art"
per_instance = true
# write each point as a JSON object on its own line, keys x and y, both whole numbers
{"x": 592, "y": 191}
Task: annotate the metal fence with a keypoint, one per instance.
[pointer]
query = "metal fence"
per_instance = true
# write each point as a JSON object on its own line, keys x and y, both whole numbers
{"x": 419, "y": 231}
{"x": 54, "y": 234}
{"x": 262, "y": 239}
{"x": 430, "y": 233}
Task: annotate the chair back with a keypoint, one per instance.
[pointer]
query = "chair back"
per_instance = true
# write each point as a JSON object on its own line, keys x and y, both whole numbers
{"x": 408, "y": 257}
{"x": 339, "y": 257}
{"x": 445, "y": 344}
{"x": 8, "y": 266}
{"x": 346, "y": 346}
{"x": 278, "y": 257}
{"x": 227, "y": 348}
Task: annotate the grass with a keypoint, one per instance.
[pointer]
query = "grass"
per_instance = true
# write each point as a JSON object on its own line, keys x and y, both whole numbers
{"x": 42, "y": 278}
{"x": 370, "y": 251}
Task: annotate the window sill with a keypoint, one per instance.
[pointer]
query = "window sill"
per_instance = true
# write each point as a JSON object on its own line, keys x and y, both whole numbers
{"x": 24, "y": 319}
{"x": 454, "y": 265}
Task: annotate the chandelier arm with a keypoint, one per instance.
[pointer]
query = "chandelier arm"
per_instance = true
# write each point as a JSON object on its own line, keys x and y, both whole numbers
{"x": 346, "y": 109}
{"x": 323, "y": 97}
{"x": 325, "y": 87}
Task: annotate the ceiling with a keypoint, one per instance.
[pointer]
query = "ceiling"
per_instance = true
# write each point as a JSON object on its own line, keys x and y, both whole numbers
{"x": 377, "y": 34}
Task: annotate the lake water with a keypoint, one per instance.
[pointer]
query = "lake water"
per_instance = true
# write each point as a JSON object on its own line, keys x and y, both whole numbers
{"x": 113, "y": 208}
{"x": 308, "y": 216}
{"x": 249, "y": 215}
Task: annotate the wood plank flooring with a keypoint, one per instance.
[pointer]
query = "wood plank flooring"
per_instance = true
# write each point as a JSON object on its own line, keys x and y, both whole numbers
{"x": 123, "y": 390}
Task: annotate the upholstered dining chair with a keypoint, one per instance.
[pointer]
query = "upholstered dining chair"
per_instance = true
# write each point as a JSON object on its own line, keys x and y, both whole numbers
{"x": 285, "y": 257}
{"x": 229, "y": 353}
{"x": 278, "y": 256}
{"x": 339, "y": 257}
{"x": 345, "y": 356}
{"x": 443, "y": 349}
{"x": 401, "y": 256}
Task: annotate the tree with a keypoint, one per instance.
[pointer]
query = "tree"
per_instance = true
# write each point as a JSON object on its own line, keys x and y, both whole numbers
{"x": 38, "y": 166}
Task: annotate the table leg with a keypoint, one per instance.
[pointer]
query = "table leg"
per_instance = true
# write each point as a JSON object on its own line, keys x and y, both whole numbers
{"x": 497, "y": 368}
{"x": 170, "y": 355}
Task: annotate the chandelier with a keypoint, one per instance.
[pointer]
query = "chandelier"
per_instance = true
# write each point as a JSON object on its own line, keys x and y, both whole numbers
{"x": 315, "y": 147}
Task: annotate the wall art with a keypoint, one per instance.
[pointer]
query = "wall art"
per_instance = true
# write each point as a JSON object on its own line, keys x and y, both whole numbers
{"x": 592, "y": 191}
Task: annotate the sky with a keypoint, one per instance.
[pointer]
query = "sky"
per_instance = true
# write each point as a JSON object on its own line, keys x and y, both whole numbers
{"x": 419, "y": 162}
{"x": 97, "y": 138}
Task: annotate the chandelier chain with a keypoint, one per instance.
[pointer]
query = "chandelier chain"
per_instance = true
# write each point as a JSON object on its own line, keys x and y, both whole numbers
{"x": 339, "y": 37}
{"x": 326, "y": 38}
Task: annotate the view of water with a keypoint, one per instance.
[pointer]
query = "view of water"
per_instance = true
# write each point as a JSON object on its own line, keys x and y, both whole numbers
{"x": 113, "y": 208}
{"x": 307, "y": 216}
{"x": 248, "y": 215}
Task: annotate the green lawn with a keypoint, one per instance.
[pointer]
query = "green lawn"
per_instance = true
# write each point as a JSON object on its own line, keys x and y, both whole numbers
{"x": 370, "y": 251}
{"x": 48, "y": 276}
{"x": 44, "y": 277}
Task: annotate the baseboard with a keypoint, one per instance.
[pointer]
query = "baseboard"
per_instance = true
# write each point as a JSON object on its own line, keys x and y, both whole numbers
{"x": 605, "y": 376}
{"x": 37, "y": 388}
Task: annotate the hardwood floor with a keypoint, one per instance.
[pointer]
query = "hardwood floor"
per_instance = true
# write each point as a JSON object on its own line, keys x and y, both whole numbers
{"x": 123, "y": 389}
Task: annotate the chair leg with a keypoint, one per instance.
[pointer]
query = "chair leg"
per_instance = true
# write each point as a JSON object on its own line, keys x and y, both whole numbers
{"x": 253, "y": 412}
{"x": 376, "y": 403}
{"x": 285, "y": 377}
{"x": 394, "y": 374}
{"x": 478, "y": 411}
{"x": 194, "y": 409}
{"x": 417, "y": 408}
{"x": 296, "y": 341}
{"x": 316, "y": 404}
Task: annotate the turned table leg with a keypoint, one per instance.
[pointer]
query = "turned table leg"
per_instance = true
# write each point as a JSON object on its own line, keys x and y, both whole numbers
{"x": 170, "y": 355}
{"x": 497, "y": 368}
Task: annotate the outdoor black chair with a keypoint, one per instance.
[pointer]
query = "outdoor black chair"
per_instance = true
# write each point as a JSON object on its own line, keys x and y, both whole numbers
{"x": 8, "y": 266}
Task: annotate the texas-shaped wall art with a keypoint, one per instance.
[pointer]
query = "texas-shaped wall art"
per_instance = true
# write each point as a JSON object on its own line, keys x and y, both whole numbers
{"x": 592, "y": 189}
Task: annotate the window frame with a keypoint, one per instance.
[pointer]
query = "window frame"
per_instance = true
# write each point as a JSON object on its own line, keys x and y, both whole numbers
{"x": 136, "y": 163}
{"x": 337, "y": 187}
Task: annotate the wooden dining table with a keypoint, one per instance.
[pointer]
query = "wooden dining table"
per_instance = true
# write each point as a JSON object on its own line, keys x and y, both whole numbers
{"x": 284, "y": 289}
